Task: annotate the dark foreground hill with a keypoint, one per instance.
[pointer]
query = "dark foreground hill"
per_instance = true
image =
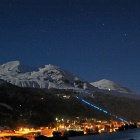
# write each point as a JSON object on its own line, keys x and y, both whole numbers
{"x": 24, "y": 106}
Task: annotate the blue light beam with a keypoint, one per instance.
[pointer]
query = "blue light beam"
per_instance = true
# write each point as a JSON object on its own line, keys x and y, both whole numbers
{"x": 100, "y": 109}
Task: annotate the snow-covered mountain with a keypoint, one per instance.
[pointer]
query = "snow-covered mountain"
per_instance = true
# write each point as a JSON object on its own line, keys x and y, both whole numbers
{"x": 14, "y": 67}
{"x": 105, "y": 84}
{"x": 48, "y": 76}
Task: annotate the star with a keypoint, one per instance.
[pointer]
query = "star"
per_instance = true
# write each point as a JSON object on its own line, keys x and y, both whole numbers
{"x": 43, "y": 31}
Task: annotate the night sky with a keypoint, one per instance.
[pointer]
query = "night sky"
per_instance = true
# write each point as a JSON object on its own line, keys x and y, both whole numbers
{"x": 94, "y": 39}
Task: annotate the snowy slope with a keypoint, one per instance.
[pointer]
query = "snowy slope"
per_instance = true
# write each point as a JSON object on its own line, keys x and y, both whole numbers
{"x": 48, "y": 76}
{"x": 105, "y": 84}
{"x": 15, "y": 67}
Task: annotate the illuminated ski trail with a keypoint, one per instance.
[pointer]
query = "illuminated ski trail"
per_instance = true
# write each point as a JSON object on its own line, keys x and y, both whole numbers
{"x": 100, "y": 109}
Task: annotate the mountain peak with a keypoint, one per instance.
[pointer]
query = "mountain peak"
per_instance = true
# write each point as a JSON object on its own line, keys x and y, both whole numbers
{"x": 14, "y": 67}
{"x": 49, "y": 67}
{"x": 12, "y": 63}
{"x": 106, "y": 80}
{"x": 111, "y": 86}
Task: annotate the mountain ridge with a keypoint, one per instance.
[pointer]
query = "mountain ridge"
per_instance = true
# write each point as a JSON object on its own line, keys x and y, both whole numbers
{"x": 15, "y": 66}
{"x": 105, "y": 84}
{"x": 47, "y": 76}
{"x": 51, "y": 76}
